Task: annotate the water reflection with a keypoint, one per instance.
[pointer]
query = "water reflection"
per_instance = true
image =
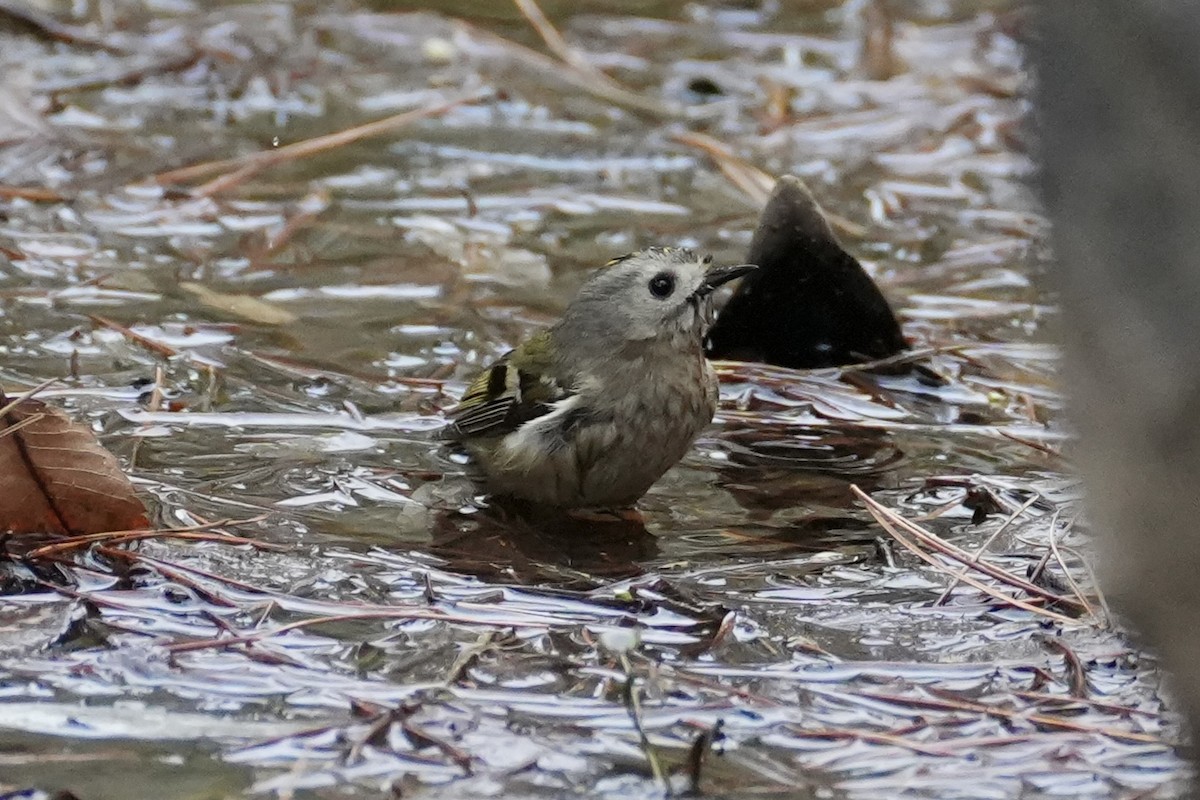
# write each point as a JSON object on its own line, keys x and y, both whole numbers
{"x": 511, "y": 541}
{"x": 773, "y": 467}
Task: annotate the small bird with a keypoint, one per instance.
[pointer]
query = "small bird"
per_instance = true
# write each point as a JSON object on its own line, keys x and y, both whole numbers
{"x": 590, "y": 412}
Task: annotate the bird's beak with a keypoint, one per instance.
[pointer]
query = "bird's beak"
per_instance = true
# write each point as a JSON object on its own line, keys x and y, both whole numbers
{"x": 717, "y": 276}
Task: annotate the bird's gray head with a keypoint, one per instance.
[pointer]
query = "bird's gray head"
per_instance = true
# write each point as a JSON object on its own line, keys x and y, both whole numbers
{"x": 659, "y": 294}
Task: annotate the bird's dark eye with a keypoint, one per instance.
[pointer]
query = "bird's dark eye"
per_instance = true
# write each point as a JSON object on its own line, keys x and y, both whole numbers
{"x": 662, "y": 284}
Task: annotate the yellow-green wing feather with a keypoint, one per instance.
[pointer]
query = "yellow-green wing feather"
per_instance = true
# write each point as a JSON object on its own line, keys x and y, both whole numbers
{"x": 514, "y": 390}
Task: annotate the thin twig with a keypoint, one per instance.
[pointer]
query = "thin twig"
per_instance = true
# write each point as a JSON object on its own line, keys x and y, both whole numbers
{"x": 374, "y": 733}
{"x": 945, "y": 595}
{"x": 158, "y": 563}
{"x": 189, "y": 532}
{"x": 1041, "y": 448}
{"x": 94, "y": 81}
{"x": 34, "y": 194}
{"x": 469, "y": 655}
{"x": 422, "y": 738}
{"x": 26, "y": 395}
{"x": 752, "y": 181}
{"x": 956, "y": 553}
{"x": 133, "y": 536}
{"x": 1112, "y": 708}
{"x": 891, "y": 521}
{"x": 906, "y": 357}
{"x": 633, "y": 704}
{"x": 1093, "y": 581}
{"x": 391, "y": 614}
{"x": 47, "y": 27}
{"x": 1075, "y": 669}
{"x": 25, "y": 423}
{"x": 1014, "y": 715}
{"x": 239, "y": 169}
{"x": 1053, "y": 539}
{"x": 164, "y": 350}
{"x": 558, "y": 45}
{"x": 606, "y": 90}
{"x": 867, "y": 736}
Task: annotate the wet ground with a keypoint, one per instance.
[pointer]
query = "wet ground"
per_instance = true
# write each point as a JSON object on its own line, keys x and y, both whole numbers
{"x": 271, "y": 343}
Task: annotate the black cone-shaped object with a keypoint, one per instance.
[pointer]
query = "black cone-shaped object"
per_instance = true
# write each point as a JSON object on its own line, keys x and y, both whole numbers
{"x": 810, "y": 303}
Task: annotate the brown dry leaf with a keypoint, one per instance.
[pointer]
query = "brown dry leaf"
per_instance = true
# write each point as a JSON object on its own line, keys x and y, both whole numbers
{"x": 55, "y": 477}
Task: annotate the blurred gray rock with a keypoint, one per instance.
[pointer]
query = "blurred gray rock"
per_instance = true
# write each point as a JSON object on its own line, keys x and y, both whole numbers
{"x": 1118, "y": 114}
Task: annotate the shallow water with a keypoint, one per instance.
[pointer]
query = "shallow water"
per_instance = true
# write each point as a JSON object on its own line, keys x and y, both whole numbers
{"x": 324, "y": 312}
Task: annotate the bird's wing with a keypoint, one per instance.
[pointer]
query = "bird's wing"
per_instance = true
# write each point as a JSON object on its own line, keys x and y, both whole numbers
{"x": 503, "y": 397}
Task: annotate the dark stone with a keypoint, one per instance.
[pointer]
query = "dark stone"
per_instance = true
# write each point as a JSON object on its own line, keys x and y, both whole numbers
{"x": 810, "y": 303}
